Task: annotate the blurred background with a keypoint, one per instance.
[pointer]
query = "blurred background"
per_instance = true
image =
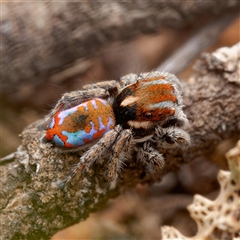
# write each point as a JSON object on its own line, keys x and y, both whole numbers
{"x": 139, "y": 213}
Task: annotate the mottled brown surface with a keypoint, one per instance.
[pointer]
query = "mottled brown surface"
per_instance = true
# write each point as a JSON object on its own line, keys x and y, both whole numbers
{"x": 40, "y": 38}
{"x": 34, "y": 208}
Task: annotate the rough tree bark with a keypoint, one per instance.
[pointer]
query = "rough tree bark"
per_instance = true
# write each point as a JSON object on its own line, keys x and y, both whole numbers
{"x": 40, "y": 38}
{"x": 33, "y": 207}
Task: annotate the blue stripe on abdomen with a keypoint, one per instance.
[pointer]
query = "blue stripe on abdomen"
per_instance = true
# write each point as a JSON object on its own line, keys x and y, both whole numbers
{"x": 77, "y": 138}
{"x": 63, "y": 114}
{"x": 58, "y": 141}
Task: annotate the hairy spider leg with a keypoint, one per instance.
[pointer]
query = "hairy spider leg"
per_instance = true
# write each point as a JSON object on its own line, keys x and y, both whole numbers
{"x": 89, "y": 157}
{"x": 150, "y": 156}
{"x": 165, "y": 138}
{"x": 120, "y": 148}
{"x": 107, "y": 85}
{"x": 171, "y": 137}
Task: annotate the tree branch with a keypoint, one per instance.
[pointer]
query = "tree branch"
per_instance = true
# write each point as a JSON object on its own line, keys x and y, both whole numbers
{"x": 33, "y": 207}
{"x": 57, "y": 35}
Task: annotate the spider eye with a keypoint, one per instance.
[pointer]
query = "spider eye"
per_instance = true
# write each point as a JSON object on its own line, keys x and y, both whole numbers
{"x": 148, "y": 115}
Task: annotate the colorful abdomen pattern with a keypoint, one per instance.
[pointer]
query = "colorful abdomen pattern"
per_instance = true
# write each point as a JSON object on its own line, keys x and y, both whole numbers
{"x": 82, "y": 124}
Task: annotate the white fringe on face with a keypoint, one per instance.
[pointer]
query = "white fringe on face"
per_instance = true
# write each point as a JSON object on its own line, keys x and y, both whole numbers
{"x": 144, "y": 124}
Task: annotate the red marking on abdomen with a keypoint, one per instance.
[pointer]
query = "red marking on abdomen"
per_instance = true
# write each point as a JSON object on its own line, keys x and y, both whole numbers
{"x": 86, "y": 140}
{"x": 99, "y": 133}
{"x": 56, "y": 130}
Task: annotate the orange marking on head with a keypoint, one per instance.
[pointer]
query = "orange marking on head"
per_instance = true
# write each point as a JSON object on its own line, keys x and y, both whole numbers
{"x": 166, "y": 112}
{"x": 157, "y": 93}
{"x": 156, "y": 115}
{"x": 159, "y": 87}
{"x": 172, "y": 112}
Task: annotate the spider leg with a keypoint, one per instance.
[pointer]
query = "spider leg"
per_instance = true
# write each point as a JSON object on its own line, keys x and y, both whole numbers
{"x": 74, "y": 98}
{"x": 151, "y": 157}
{"x": 120, "y": 148}
{"x": 89, "y": 157}
{"x": 111, "y": 87}
{"x": 171, "y": 137}
{"x": 164, "y": 138}
{"x": 107, "y": 85}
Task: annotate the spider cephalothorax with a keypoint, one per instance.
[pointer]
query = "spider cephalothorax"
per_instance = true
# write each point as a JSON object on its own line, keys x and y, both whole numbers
{"x": 148, "y": 102}
{"x": 114, "y": 117}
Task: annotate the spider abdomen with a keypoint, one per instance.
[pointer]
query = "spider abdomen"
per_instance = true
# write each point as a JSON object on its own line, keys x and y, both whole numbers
{"x": 81, "y": 124}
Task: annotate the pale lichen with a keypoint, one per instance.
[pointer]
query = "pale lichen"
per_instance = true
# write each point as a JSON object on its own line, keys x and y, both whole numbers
{"x": 225, "y": 60}
{"x": 218, "y": 219}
